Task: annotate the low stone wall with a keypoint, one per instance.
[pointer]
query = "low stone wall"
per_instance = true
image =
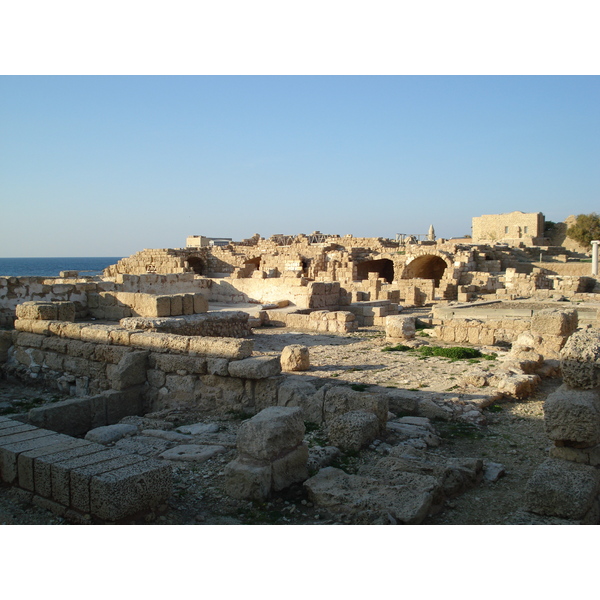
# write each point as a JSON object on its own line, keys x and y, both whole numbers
{"x": 373, "y": 312}
{"x": 16, "y": 290}
{"x": 340, "y": 321}
{"x": 550, "y": 330}
{"x": 220, "y": 324}
{"x": 114, "y": 306}
{"x": 78, "y": 479}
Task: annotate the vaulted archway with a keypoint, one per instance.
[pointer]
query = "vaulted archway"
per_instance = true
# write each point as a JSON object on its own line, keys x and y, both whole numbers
{"x": 428, "y": 266}
{"x": 384, "y": 268}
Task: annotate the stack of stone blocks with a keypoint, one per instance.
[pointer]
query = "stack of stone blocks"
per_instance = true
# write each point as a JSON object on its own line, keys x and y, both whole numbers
{"x": 336, "y": 321}
{"x": 271, "y": 454}
{"x": 567, "y": 485}
{"x": 373, "y": 312}
{"x": 77, "y": 479}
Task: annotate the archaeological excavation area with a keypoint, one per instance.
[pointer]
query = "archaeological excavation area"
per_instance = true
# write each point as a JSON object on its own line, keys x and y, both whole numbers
{"x": 307, "y": 379}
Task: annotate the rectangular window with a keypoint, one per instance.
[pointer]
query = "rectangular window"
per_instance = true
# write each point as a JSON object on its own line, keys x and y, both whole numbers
{"x": 506, "y": 229}
{"x": 526, "y": 229}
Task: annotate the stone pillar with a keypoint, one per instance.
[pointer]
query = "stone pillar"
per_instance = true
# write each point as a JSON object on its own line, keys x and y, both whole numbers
{"x": 595, "y": 257}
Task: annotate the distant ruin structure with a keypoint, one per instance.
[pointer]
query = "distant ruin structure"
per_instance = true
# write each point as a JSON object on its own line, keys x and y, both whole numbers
{"x": 513, "y": 228}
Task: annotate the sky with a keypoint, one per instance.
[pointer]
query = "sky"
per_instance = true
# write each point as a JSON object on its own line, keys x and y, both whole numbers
{"x": 109, "y": 165}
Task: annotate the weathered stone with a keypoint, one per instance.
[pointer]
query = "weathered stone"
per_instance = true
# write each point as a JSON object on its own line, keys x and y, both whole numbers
{"x": 130, "y": 371}
{"x": 342, "y": 399}
{"x": 192, "y": 452}
{"x": 110, "y": 433}
{"x": 399, "y": 327}
{"x": 290, "y": 468}
{"x": 130, "y": 490}
{"x": 295, "y": 358}
{"x": 199, "y": 428}
{"x": 552, "y": 321}
{"x": 258, "y": 367}
{"x": 562, "y": 489}
{"x": 247, "y": 479}
{"x": 271, "y": 433}
{"x": 407, "y": 501}
{"x": 573, "y": 416}
{"x": 580, "y": 359}
{"x": 353, "y": 430}
{"x": 299, "y": 391}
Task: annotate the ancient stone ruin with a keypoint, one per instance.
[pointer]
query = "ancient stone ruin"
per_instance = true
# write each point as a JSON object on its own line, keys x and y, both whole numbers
{"x": 262, "y": 364}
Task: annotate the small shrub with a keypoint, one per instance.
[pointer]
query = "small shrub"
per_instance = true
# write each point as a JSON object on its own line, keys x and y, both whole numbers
{"x": 398, "y": 348}
{"x": 359, "y": 387}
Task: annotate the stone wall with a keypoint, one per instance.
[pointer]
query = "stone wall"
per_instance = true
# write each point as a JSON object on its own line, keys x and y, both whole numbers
{"x": 550, "y": 330}
{"x": 515, "y": 227}
{"x": 322, "y": 320}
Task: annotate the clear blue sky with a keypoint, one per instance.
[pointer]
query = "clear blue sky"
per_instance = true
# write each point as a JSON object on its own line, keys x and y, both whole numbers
{"x": 107, "y": 166}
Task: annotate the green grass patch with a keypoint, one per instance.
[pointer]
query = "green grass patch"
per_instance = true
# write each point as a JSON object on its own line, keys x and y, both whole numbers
{"x": 359, "y": 387}
{"x": 452, "y": 430}
{"x": 398, "y": 348}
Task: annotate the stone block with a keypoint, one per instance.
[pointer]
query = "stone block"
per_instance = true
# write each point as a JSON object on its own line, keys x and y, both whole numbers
{"x": 176, "y": 306}
{"x": 353, "y": 430}
{"x": 259, "y": 367}
{"x": 580, "y": 359}
{"x": 26, "y": 460}
{"x": 342, "y": 399}
{"x": 110, "y": 433}
{"x": 9, "y": 452}
{"x": 295, "y": 358}
{"x": 187, "y": 302}
{"x": 554, "y": 322}
{"x": 200, "y": 304}
{"x": 65, "y": 311}
{"x": 399, "y": 327}
{"x": 198, "y": 453}
{"x": 130, "y": 490}
{"x": 246, "y": 479}
{"x": 235, "y": 349}
{"x": 130, "y": 371}
{"x": 43, "y": 311}
{"x": 573, "y": 416}
{"x": 272, "y": 432}
{"x": 100, "y": 334}
{"x": 60, "y": 471}
{"x": 80, "y": 478}
{"x": 562, "y": 489}
{"x": 72, "y": 417}
{"x": 290, "y": 468}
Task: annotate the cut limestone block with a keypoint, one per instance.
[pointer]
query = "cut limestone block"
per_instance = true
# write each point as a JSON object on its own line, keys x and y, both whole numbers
{"x": 353, "y": 430}
{"x": 110, "y": 433}
{"x": 192, "y": 452}
{"x": 129, "y": 490}
{"x": 552, "y": 321}
{"x": 271, "y": 433}
{"x": 407, "y": 501}
{"x": 290, "y": 468}
{"x": 562, "y": 489}
{"x": 399, "y": 327}
{"x": 130, "y": 371}
{"x": 258, "y": 367}
{"x": 295, "y": 358}
{"x": 573, "y": 416}
{"x": 245, "y": 478}
{"x": 580, "y": 359}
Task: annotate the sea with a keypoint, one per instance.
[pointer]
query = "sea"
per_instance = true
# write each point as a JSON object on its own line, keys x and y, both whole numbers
{"x": 52, "y": 266}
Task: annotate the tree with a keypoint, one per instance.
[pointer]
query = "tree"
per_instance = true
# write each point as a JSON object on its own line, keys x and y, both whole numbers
{"x": 586, "y": 229}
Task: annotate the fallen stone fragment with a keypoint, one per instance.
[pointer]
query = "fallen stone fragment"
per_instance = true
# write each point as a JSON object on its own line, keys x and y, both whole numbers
{"x": 563, "y": 489}
{"x": 353, "y": 430}
{"x": 170, "y": 436}
{"x": 110, "y": 433}
{"x": 192, "y": 452}
{"x": 295, "y": 358}
{"x": 408, "y": 501}
{"x": 492, "y": 471}
{"x": 198, "y": 428}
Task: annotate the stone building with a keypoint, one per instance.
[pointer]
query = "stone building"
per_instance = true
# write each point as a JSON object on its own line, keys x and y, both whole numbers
{"x": 513, "y": 228}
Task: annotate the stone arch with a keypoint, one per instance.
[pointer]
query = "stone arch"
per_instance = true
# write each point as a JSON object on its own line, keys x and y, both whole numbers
{"x": 197, "y": 265}
{"x": 384, "y": 268}
{"x": 427, "y": 266}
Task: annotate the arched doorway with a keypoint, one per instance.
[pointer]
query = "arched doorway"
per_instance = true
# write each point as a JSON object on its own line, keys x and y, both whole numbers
{"x": 196, "y": 264}
{"x": 384, "y": 268}
{"x": 426, "y": 267}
